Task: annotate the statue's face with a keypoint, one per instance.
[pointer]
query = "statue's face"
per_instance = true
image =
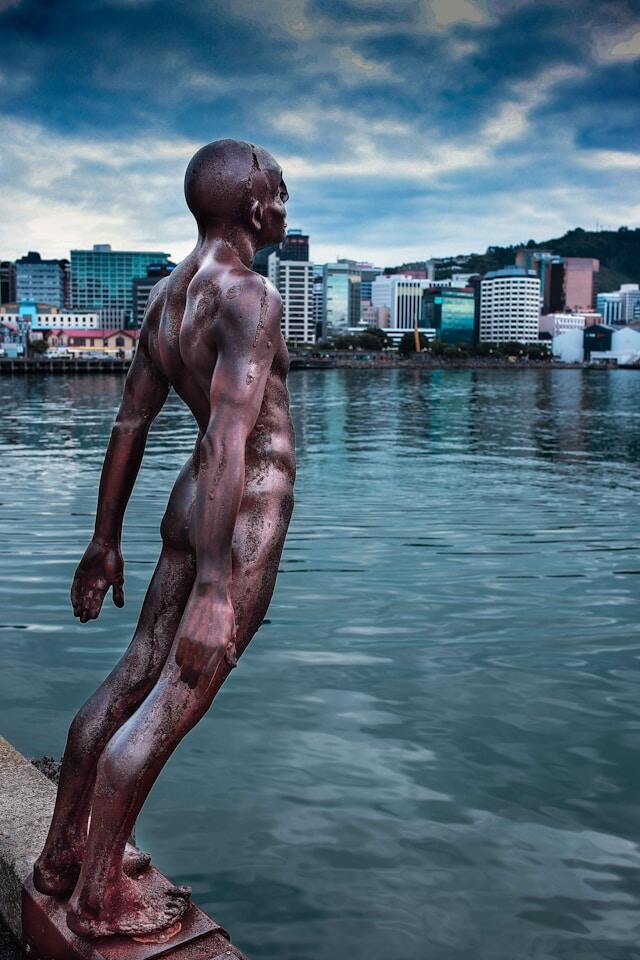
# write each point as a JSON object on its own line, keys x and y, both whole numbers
{"x": 274, "y": 214}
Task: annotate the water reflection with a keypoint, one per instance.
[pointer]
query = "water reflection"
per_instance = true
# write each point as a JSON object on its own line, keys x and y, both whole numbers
{"x": 431, "y": 749}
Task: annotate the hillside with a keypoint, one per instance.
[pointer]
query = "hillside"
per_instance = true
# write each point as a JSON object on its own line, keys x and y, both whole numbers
{"x": 617, "y": 250}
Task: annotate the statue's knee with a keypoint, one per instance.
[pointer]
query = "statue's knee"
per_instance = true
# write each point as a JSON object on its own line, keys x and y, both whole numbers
{"x": 80, "y": 740}
{"x": 117, "y": 767}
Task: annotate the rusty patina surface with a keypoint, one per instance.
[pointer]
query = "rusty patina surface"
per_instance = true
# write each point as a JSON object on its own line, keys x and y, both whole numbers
{"x": 212, "y": 333}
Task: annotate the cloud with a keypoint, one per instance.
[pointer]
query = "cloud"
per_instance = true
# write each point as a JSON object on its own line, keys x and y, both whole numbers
{"x": 626, "y": 49}
{"x": 448, "y": 12}
{"x": 402, "y": 126}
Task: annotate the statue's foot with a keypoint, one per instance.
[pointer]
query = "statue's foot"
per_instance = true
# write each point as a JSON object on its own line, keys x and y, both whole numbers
{"x": 55, "y": 879}
{"x": 127, "y": 910}
{"x": 59, "y": 879}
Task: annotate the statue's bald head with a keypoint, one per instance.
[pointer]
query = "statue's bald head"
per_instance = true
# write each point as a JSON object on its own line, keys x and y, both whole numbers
{"x": 225, "y": 177}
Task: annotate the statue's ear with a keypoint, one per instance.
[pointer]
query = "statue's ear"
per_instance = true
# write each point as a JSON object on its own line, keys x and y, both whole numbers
{"x": 255, "y": 216}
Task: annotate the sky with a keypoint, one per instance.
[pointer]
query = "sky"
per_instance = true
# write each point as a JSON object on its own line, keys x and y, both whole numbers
{"x": 406, "y": 129}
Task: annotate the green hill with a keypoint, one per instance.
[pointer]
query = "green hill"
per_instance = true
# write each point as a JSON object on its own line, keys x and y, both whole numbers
{"x": 617, "y": 250}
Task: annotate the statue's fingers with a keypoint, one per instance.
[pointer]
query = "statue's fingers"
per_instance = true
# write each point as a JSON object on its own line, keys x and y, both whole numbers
{"x": 118, "y": 593}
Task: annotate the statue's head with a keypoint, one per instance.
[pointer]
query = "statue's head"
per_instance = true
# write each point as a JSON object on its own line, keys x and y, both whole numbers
{"x": 232, "y": 183}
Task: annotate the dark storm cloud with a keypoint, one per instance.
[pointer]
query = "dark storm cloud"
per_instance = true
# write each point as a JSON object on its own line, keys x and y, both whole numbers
{"x": 402, "y": 124}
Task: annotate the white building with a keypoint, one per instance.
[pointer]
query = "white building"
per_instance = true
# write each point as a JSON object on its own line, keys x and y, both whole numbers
{"x": 294, "y": 281}
{"x": 557, "y": 323}
{"x": 625, "y": 347}
{"x": 620, "y": 306}
{"x": 402, "y": 297}
{"x": 510, "y": 306}
{"x": 44, "y": 316}
{"x": 569, "y": 346}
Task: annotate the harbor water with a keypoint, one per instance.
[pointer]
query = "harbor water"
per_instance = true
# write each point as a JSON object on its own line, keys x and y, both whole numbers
{"x": 430, "y": 751}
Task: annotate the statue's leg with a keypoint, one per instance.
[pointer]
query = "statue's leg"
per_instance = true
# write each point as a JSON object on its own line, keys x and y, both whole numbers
{"x": 56, "y": 870}
{"x": 106, "y": 901}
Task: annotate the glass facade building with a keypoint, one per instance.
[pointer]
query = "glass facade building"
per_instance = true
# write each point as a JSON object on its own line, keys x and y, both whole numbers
{"x": 102, "y": 279}
{"x": 451, "y": 313}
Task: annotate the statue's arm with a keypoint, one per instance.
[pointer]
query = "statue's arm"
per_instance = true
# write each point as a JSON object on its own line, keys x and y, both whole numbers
{"x": 101, "y": 567}
{"x": 245, "y": 337}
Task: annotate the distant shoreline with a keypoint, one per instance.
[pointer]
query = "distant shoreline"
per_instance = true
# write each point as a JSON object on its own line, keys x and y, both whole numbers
{"x": 342, "y": 361}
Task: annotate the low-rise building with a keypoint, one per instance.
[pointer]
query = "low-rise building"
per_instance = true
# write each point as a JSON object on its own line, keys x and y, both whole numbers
{"x": 554, "y": 324}
{"x": 120, "y": 344}
{"x": 46, "y": 316}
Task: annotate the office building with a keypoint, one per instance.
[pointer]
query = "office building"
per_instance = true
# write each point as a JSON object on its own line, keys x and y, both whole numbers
{"x": 318, "y": 302}
{"x": 7, "y": 281}
{"x": 402, "y": 296}
{"x": 579, "y": 284}
{"x": 342, "y": 296}
{"x": 451, "y": 312}
{"x": 142, "y": 287}
{"x": 510, "y": 306}
{"x": 295, "y": 246}
{"x": 102, "y": 279}
{"x": 261, "y": 259}
{"x": 41, "y": 281}
{"x": 550, "y": 270}
{"x": 294, "y": 281}
{"x": 620, "y": 306}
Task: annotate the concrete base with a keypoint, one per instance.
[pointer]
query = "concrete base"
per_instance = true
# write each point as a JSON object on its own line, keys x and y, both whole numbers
{"x": 27, "y": 799}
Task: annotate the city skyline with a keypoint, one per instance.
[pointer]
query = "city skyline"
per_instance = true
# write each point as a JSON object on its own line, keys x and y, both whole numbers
{"x": 406, "y": 130}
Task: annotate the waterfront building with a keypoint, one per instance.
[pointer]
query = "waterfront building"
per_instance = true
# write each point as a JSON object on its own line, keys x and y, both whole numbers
{"x": 568, "y": 346}
{"x": 620, "y": 306}
{"x": 550, "y": 270}
{"x": 579, "y": 283}
{"x": 342, "y": 296}
{"x": 119, "y": 344}
{"x": 318, "y": 301}
{"x": 402, "y": 296}
{"x": 294, "y": 281}
{"x": 40, "y": 280}
{"x": 142, "y": 287}
{"x": 451, "y": 312}
{"x": 102, "y": 279}
{"x": 554, "y": 324}
{"x": 510, "y": 306}
{"x": 46, "y": 316}
{"x": 7, "y": 281}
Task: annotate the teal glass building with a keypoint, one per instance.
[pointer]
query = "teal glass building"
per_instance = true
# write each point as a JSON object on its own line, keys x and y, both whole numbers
{"x": 102, "y": 279}
{"x": 452, "y": 313}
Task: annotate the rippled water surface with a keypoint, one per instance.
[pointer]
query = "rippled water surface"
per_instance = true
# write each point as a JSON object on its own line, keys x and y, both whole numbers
{"x": 430, "y": 750}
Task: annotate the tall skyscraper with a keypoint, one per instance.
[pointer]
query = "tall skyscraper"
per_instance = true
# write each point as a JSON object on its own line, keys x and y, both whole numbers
{"x": 7, "y": 281}
{"x": 102, "y": 279}
{"x": 40, "y": 281}
{"x": 294, "y": 281}
{"x": 510, "y": 306}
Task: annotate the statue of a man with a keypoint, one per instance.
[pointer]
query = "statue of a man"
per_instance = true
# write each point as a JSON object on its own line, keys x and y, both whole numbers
{"x": 212, "y": 332}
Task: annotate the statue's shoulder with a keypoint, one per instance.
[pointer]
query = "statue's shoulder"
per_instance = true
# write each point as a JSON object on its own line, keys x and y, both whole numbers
{"x": 233, "y": 293}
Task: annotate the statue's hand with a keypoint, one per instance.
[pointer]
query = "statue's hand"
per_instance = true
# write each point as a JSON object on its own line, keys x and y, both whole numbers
{"x": 207, "y": 634}
{"x": 101, "y": 567}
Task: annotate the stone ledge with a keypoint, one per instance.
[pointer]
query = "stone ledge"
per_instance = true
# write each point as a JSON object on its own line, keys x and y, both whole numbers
{"x": 27, "y": 799}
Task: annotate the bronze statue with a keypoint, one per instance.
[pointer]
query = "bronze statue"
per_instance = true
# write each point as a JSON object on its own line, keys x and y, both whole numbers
{"x": 212, "y": 332}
